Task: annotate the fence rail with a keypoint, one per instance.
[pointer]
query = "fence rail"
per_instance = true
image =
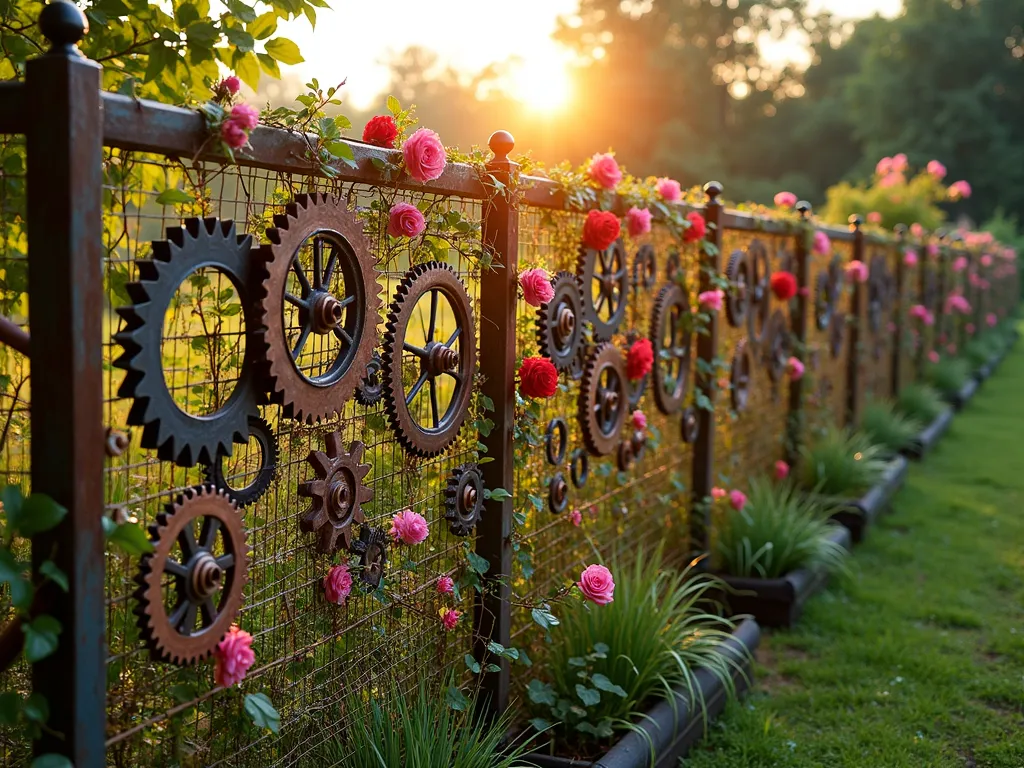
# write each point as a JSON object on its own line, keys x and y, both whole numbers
{"x": 96, "y": 165}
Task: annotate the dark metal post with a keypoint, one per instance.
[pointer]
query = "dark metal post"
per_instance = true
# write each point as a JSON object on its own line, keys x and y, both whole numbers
{"x": 707, "y": 351}
{"x": 492, "y": 620}
{"x": 798, "y": 330}
{"x": 854, "y": 393}
{"x": 65, "y": 216}
{"x": 899, "y": 313}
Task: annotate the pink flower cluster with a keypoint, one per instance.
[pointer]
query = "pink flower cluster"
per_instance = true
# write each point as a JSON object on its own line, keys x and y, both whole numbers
{"x": 781, "y": 470}
{"x": 536, "y": 285}
{"x": 957, "y": 303}
{"x": 959, "y": 263}
{"x": 604, "y": 170}
{"x": 910, "y": 257}
{"x": 937, "y": 170}
{"x": 785, "y": 200}
{"x": 959, "y": 190}
{"x": 857, "y": 271}
{"x": 638, "y": 221}
{"x": 233, "y": 657}
{"x": 236, "y": 126}
{"x": 795, "y": 368}
{"x": 669, "y": 190}
{"x": 922, "y": 313}
{"x": 338, "y": 584}
{"x": 711, "y": 300}
{"x": 408, "y": 527}
{"x": 822, "y": 244}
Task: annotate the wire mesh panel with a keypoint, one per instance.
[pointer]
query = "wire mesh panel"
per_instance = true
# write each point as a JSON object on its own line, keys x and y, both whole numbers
{"x": 908, "y": 319}
{"x": 589, "y": 478}
{"x": 828, "y": 330}
{"x": 304, "y": 480}
{"x": 754, "y": 348}
{"x": 879, "y": 330}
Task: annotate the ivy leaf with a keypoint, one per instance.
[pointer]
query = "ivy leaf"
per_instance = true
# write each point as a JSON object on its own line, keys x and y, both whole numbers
{"x": 539, "y": 724}
{"x": 36, "y": 708}
{"x": 173, "y": 197}
{"x": 51, "y": 761}
{"x": 260, "y": 708}
{"x": 38, "y": 513}
{"x": 497, "y": 494}
{"x": 479, "y": 564}
{"x": 472, "y": 664}
{"x": 284, "y": 50}
{"x": 130, "y": 538}
{"x": 541, "y": 693}
{"x": 41, "y": 637}
{"x": 10, "y": 708}
{"x": 12, "y": 500}
{"x": 13, "y": 573}
{"x": 544, "y": 618}
{"x": 588, "y": 696}
{"x": 602, "y": 683}
{"x": 456, "y": 699}
{"x": 50, "y": 570}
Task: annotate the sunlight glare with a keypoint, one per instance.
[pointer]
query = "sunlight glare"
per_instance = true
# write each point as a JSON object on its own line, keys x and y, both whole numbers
{"x": 542, "y": 83}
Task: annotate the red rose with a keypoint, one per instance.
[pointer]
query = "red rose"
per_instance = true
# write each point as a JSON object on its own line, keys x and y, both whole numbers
{"x": 639, "y": 359}
{"x": 600, "y": 230}
{"x": 381, "y": 131}
{"x": 537, "y": 377}
{"x": 784, "y": 285}
{"x": 698, "y": 227}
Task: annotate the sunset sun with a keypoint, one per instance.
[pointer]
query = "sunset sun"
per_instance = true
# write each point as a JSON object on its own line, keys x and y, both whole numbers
{"x": 541, "y": 83}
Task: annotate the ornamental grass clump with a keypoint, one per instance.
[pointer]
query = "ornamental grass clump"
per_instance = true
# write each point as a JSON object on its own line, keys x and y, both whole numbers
{"x": 980, "y": 350}
{"x": 920, "y": 402}
{"x": 606, "y": 665}
{"x": 778, "y": 531}
{"x": 394, "y": 729}
{"x": 841, "y": 463}
{"x": 887, "y": 428}
{"x": 949, "y": 375}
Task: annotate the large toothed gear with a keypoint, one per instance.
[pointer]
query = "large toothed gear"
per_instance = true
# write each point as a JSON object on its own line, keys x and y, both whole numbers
{"x": 738, "y": 298}
{"x": 317, "y": 308}
{"x": 190, "y": 585}
{"x": 336, "y": 495}
{"x": 603, "y": 400}
{"x": 760, "y": 292}
{"x": 604, "y": 277}
{"x": 464, "y": 499}
{"x": 176, "y": 435}
{"x": 671, "y": 337}
{"x": 266, "y": 442}
{"x": 419, "y": 377}
{"x": 560, "y": 322}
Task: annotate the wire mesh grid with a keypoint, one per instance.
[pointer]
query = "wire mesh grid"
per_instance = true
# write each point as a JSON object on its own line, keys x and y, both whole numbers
{"x": 15, "y": 385}
{"x": 622, "y": 512}
{"x": 750, "y": 432}
{"x": 878, "y": 338}
{"x": 910, "y": 326}
{"x": 828, "y": 333}
{"x": 310, "y": 654}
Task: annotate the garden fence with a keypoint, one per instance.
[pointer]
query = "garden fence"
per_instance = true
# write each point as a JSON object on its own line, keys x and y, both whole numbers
{"x": 121, "y": 193}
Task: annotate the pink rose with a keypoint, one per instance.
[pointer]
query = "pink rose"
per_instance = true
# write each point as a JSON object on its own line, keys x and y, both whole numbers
{"x": 874, "y": 218}
{"x": 737, "y": 500}
{"x": 711, "y": 300}
{"x": 408, "y": 527}
{"x": 575, "y": 517}
{"x": 970, "y": 328}
{"x": 899, "y": 163}
{"x": 405, "y": 220}
{"x": 449, "y": 618}
{"x": 669, "y": 190}
{"x": 639, "y": 420}
{"x": 597, "y": 585}
{"x": 933, "y": 250}
{"x": 230, "y": 85}
{"x": 233, "y": 657}
{"x": 986, "y": 260}
{"x": 604, "y": 170}
{"x": 857, "y": 271}
{"x": 247, "y": 117}
{"x": 424, "y": 155}
{"x": 910, "y": 257}
{"x": 959, "y": 190}
{"x": 338, "y": 584}
{"x": 718, "y": 493}
{"x": 951, "y": 348}
{"x": 959, "y": 263}
{"x": 445, "y": 585}
{"x": 233, "y": 134}
{"x": 918, "y": 311}
{"x": 785, "y": 200}
{"x": 536, "y": 285}
{"x": 929, "y": 318}
{"x": 991, "y": 320}
{"x": 884, "y": 166}
{"x": 781, "y": 470}
{"x": 822, "y": 244}
{"x": 916, "y": 230}
{"x": 933, "y": 356}
{"x": 638, "y": 221}
{"x": 937, "y": 170}
{"x": 796, "y": 369}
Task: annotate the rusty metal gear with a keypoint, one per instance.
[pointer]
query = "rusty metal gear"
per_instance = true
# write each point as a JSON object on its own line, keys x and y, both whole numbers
{"x": 190, "y": 586}
{"x": 437, "y": 366}
{"x": 837, "y": 334}
{"x": 878, "y": 292}
{"x": 336, "y": 495}
{"x": 178, "y": 436}
{"x": 689, "y": 427}
{"x": 603, "y": 402}
{"x": 560, "y": 322}
{"x": 645, "y": 268}
{"x": 737, "y": 298}
{"x": 372, "y": 548}
{"x": 671, "y": 336}
{"x": 822, "y": 301}
{"x": 604, "y": 276}
{"x": 673, "y": 266}
{"x": 372, "y": 388}
{"x": 318, "y": 307}
{"x": 558, "y": 493}
{"x": 266, "y": 441}
{"x": 624, "y": 456}
{"x": 464, "y": 499}
{"x": 579, "y": 467}
{"x": 760, "y": 293}
{"x": 556, "y": 440}
{"x": 776, "y": 349}
{"x": 739, "y": 380}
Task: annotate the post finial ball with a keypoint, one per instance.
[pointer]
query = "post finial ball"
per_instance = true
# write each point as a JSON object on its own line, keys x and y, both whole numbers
{"x": 856, "y": 220}
{"x": 62, "y": 23}
{"x": 713, "y": 189}
{"x": 900, "y": 229}
{"x": 803, "y": 208}
{"x": 501, "y": 143}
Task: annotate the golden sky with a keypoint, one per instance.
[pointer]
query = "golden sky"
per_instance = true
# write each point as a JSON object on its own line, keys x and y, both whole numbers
{"x": 353, "y": 40}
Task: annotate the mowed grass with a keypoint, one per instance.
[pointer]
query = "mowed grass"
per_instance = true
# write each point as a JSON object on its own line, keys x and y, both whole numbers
{"x": 917, "y": 658}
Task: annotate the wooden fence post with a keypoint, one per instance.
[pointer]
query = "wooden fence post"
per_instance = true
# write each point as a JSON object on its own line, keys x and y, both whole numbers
{"x": 65, "y": 218}
{"x": 798, "y": 330}
{"x": 858, "y": 302}
{"x": 492, "y": 619}
{"x": 707, "y": 351}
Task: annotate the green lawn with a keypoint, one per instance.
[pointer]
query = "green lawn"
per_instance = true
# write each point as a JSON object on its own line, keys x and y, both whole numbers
{"x": 917, "y": 659}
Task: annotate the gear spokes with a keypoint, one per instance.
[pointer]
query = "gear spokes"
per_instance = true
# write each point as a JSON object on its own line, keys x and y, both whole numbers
{"x": 337, "y": 494}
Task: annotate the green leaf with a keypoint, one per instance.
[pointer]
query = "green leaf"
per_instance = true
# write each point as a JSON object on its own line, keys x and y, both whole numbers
{"x": 601, "y": 649}
{"x": 456, "y": 699}
{"x": 130, "y": 538}
{"x": 241, "y": 39}
{"x": 263, "y": 27}
{"x": 394, "y": 106}
{"x": 182, "y": 692}
{"x": 12, "y": 500}
{"x": 16, "y": 575}
{"x": 539, "y": 724}
{"x": 202, "y": 34}
{"x": 602, "y": 683}
{"x": 479, "y": 564}
{"x": 541, "y": 693}
{"x": 41, "y": 637}
{"x": 51, "y": 761}
{"x": 174, "y": 197}
{"x": 247, "y": 67}
{"x": 284, "y": 50}
{"x": 544, "y": 618}
{"x": 50, "y": 570}
{"x": 499, "y": 494}
{"x": 36, "y": 708}
{"x": 472, "y": 664}
{"x": 588, "y": 696}
{"x": 240, "y": 11}
{"x": 259, "y": 707}
{"x": 269, "y": 65}
{"x": 38, "y": 513}
{"x": 10, "y": 708}
{"x": 186, "y": 14}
